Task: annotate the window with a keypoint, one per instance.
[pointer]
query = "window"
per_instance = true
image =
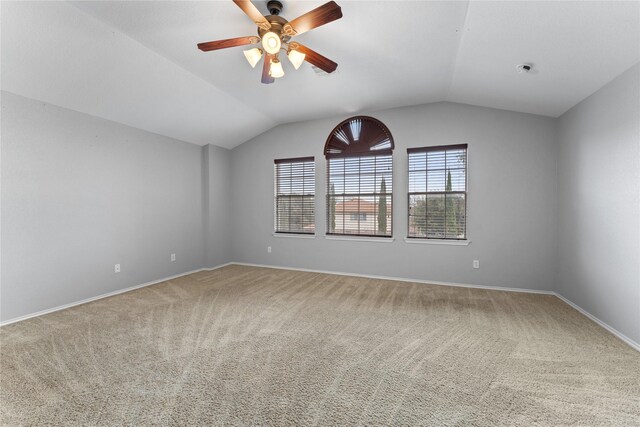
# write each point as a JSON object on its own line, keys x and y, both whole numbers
{"x": 359, "y": 178}
{"x": 295, "y": 191}
{"x": 438, "y": 192}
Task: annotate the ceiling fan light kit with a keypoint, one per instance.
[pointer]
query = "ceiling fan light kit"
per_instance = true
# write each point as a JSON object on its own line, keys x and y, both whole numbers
{"x": 296, "y": 58}
{"x": 271, "y": 42}
{"x": 276, "y": 71}
{"x": 253, "y": 56}
{"x": 275, "y": 33}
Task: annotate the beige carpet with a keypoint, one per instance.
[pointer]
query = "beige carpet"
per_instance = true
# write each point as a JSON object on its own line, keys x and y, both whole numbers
{"x": 254, "y": 346}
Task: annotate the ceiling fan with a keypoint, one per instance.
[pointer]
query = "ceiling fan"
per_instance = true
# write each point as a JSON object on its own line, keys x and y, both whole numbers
{"x": 275, "y": 33}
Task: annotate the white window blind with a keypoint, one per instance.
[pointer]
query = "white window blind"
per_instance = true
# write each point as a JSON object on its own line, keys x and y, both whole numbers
{"x": 438, "y": 192}
{"x": 295, "y": 184}
{"x": 359, "y": 200}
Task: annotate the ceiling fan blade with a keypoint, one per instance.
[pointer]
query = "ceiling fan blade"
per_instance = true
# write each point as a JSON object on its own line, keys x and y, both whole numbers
{"x": 313, "y": 57}
{"x": 252, "y": 12}
{"x": 266, "y": 77}
{"x": 324, "y": 14}
{"x": 223, "y": 44}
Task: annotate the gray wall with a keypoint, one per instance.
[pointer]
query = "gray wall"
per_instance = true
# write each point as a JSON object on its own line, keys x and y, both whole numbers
{"x": 216, "y": 196}
{"x": 511, "y": 199}
{"x": 599, "y": 204}
{"x": 80, "y": 194}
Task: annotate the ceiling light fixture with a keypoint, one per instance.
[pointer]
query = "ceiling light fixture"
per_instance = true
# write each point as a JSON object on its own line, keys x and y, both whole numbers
{"x": 253, "y": 56}
{"x": 271, "y": 42}
{"x": 276, "y": 70}
{"x": 296, "y": 58}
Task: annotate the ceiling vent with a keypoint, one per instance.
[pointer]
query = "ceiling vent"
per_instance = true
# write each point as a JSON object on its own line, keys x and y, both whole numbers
{"x": 524, "y": 68}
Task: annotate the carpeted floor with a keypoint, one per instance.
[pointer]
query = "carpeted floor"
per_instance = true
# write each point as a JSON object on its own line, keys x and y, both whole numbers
{"x": 254, "y": 346}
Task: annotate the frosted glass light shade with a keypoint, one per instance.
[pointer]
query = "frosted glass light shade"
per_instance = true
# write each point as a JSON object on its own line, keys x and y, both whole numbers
{"x": 253, "y": 56}
{"x": 271, "y": 42}
{"x": 276, "y": 70}
{"x": 296, "y": 58}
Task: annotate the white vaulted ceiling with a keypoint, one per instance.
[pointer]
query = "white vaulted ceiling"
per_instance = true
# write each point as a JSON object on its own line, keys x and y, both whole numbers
{"x": 137, "y": 62}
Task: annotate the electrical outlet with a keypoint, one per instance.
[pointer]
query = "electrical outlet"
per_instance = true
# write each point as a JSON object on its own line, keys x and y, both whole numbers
{"x": 116, "y": 268}
{"x": 173, "y": 257}
{"x": 269, "y": 249}
{"x": 476, "y": 263}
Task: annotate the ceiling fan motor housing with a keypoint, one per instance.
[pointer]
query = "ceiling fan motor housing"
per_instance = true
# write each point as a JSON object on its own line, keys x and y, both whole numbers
{"x": 277, "y": 24}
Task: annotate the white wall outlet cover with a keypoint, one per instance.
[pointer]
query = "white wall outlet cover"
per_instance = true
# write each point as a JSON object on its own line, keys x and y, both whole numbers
{"x": 476, "y": 263}
{"x": 173, "y": 257}
{"x": 116, "y": 268}
{"x": 269, "y": 249}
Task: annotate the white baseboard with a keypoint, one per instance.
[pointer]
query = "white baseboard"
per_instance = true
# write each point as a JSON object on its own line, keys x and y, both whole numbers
{"x": 402, "y": 279}
{"x": 609, "y": 328}
{"x": 109, "y": 294}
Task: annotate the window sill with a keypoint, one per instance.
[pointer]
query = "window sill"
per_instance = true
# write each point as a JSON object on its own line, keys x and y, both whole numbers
{"x": 361, "y": 239}
{"x": 295, "y": 236}
{"x": 421, "y": 241}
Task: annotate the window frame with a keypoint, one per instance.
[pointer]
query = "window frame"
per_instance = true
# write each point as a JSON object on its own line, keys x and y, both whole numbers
{"x": 276, "y": 196}
{"x": 428, "y": 149}
{"x": 359, "y": 148}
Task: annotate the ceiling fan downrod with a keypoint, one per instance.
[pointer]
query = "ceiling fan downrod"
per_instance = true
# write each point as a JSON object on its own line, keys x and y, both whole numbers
{"x": 275, "y": 7}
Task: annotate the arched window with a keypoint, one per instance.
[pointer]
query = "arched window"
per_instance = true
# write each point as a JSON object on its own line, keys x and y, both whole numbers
{"x": 359, "y": 178}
